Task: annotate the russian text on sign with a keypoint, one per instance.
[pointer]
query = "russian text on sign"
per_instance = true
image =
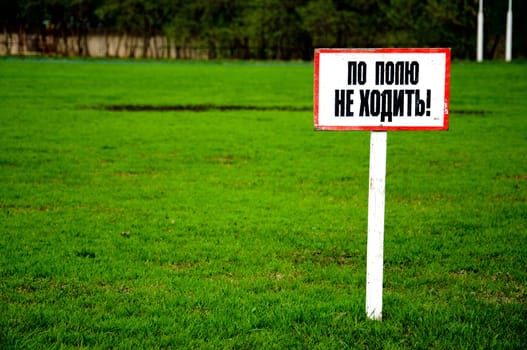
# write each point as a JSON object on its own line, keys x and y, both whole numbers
{"x": 382, "y": 89}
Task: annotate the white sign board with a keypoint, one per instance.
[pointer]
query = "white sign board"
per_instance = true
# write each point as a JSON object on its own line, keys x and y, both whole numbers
{"x": 382, "y": 89}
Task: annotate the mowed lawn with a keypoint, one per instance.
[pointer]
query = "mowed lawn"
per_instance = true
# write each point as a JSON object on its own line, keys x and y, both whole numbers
{"x": 243, "y": 227}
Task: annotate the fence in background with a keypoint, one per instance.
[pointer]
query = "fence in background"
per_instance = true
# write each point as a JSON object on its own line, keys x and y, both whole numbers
{"x": 98, "y": 45}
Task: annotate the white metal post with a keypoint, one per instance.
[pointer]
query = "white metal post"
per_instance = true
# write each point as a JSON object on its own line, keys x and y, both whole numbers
{"x": 480, "y": 32}
{"x": 375, "y": 249}
{"x": 508, "y": 40}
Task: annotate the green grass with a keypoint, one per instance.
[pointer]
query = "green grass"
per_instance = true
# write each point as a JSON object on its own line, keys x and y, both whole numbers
{"x": 247, "y": 229}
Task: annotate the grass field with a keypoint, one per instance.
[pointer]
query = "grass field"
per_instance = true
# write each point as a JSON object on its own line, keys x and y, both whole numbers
{"x": 244, "y": 228}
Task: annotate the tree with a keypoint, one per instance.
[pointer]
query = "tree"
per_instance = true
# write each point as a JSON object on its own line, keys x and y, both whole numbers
{"x": 449, "y": 24}
{"x": 180, "y": 27}
{"x": 9, "y": 13}
{"x": 275, "y": 29}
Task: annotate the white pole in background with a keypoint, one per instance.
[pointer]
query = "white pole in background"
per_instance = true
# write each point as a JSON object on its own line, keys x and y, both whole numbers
{"x": 375, "y": 249}
{"x": 480, "y": 32}
{"x": 508, "y": 40}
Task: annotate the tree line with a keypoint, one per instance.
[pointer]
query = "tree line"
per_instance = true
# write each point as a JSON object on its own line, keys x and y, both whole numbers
{"x": 262, "y": 29}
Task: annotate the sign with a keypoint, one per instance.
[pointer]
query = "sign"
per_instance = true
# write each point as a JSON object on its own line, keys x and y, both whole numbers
{"x": 382, "y": 89}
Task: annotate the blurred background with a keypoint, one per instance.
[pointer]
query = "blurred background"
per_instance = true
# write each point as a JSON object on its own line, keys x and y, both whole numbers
{"x": 251, "y": 29}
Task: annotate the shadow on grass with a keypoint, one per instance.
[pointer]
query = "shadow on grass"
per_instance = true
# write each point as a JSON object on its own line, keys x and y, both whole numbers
{"x": 212, "y": 107}
{"x": 199, "y": 108}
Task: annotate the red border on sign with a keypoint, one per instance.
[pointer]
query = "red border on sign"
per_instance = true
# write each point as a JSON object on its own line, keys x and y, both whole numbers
{"x": 446, "y": 51}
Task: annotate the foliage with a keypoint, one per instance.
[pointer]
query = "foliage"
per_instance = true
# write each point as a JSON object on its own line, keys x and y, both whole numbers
{"x": 245, "y": 228}
{"x": 268, "y": 28}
